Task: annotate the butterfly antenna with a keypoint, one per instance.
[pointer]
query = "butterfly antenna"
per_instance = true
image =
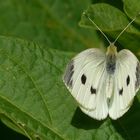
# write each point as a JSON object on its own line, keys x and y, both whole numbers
{"x": 97, "y": 27}
{"x": 126, "y": 28}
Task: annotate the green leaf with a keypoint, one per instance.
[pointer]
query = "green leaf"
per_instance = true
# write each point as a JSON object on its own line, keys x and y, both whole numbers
{"x": 35, "y": 100}
{"x": 107, "y": 17}
{"x": 132, "y": 10}
{"x": 48, "y": 23}
{"x": 112, "y": 21}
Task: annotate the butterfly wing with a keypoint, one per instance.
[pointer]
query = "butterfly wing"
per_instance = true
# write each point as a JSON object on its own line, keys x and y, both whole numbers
{"x": 84, "y": 78}
{"x": 126, "y": 83}
{"x": 100, "y": 111}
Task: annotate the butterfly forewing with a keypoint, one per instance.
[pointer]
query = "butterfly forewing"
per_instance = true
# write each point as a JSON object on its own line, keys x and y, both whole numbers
{"x": 85, "y": 80}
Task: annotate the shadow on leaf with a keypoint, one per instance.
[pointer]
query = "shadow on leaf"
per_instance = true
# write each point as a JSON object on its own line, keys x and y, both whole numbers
{"x": 81, "y": 120}
{"x": 128, "y": 125}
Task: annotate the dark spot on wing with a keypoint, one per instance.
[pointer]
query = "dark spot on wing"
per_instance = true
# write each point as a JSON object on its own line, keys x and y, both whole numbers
{"x": 70, "y": 83}
{"x": 92, "y": 90}
{"x": 83, "y": 79}
{"x": 128, "y": 80}
{"x": 71, "y": 67}
{"x": 121, "y": 91}
{"x": 137, "y": 83}
{"x": 69, "y": 73}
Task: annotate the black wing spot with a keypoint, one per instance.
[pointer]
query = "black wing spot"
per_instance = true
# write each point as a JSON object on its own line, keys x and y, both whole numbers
{"x": 69, "y": 74}
{"x": 92, "y": 90}
{"x": 137, "y": 83}
{"x": 83, "y": 79}
{"x": 71, "y": 67}
{"x": 128, "y": 80}
{"x": 121, "y": 91}
{"x": 70, "y": 83}
{"x": 69, "y": 79}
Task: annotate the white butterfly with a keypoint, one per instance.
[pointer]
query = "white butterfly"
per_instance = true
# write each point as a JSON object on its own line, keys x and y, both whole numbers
{"x": 103, "y": 83}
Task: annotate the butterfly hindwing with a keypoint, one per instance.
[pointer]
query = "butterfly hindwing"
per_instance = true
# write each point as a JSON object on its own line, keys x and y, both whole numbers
{"x": 101, "y": 108}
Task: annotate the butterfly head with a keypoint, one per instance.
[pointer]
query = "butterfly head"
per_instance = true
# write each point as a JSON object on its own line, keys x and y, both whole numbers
{"x": 111, "y": 50}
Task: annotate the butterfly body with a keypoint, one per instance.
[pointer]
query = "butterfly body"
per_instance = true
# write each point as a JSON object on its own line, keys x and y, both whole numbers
{"x": 111, "y": 59}
{"x": 103, "y": 83}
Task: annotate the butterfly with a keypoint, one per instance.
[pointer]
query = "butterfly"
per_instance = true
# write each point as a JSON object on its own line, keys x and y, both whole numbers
{"x": 103, "y": 84}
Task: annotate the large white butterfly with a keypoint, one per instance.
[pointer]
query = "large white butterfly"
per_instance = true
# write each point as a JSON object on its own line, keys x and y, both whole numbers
{"x": 103, "y": 83}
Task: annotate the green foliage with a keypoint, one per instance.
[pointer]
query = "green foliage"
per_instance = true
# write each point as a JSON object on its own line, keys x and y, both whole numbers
{"x": 48, "y": 23}
{"x": 38, "y": 38}
{"x": 112, "y": 21}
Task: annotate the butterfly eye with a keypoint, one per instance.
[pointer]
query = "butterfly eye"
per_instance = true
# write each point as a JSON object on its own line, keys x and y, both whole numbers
{"x": 128, "y": 80}
{"x": 83, "y": 79}
{"x": 121, "y": 91}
